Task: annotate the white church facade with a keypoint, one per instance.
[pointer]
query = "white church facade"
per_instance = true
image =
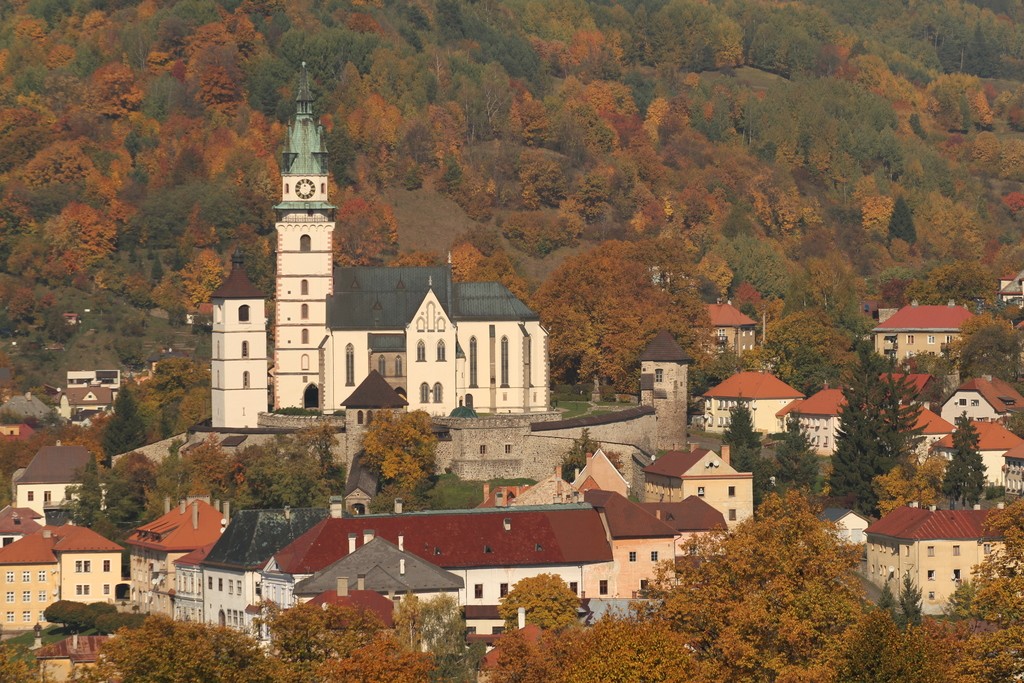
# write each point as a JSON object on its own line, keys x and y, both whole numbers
{"x": 440, "y": 344}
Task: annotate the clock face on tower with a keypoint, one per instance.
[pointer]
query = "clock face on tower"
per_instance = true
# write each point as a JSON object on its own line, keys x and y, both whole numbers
{"x": 305, "y": 188}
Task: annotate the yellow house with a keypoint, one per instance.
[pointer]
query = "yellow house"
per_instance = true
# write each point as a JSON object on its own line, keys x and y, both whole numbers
{"x": 679, "y": 474}
{"x": 763, "y": 393}
{"x": 56, "y": 563}
{"x": 937, "y": 548}
{"x": 65, "y": 660}
{"x": 918, "y": 329}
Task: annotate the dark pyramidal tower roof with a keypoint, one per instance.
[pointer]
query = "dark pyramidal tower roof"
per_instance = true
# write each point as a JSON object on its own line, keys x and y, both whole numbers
{"x": 664, "y": 348}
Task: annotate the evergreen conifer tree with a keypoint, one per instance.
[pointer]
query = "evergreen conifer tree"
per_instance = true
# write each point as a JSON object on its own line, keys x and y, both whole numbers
{"x": 126, "y": 429}
{"x": 965, "y": 475}
{"x": 901, "y": 223}
{"x": 745, "y": 450}
{"x": 887, "y": 601}
{"x": 157, "y": 273}
{"x": 798, "y": 465}
{"x": 909, "y": 604}
{"x": 876, "y": 430}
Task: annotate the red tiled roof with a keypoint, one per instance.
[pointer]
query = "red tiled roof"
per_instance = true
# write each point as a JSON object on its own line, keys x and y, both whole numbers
{"x": 930, "y": 423}
{"x": 567, "y": 534}
{"x": 992, "y": 436}
{"x": 196, "y": 556}
{"x": 88, "y": 649}
{"x": 691, "y": 514}
{"x": 825, "y": 402}
{"x": 627, "y": 519}
{"x": 237, "y": 285}
{"x": 19, "y": 521}
{"x": 43, "y": 546}
{"x": 173, "y": 531}
{"x": 927, "y": 318}
{"x": 676, "y": 463}
{"x": 727, "y": 315}
{"x": 18, "y": 432}
{"x": 998, "y": 393}
{"x": 753, "y": 385}
{"x": 917, "y": 381}
{"x": 368, "y": 601}
{"x": 920, "y": 524}
{"x": 531, "y": 634}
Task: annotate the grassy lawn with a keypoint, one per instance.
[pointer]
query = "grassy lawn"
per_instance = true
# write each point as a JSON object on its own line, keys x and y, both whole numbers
{"x": 452, "y": 493}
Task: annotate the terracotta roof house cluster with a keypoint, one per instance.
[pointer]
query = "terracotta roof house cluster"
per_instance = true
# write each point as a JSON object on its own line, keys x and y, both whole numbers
{"x": 818, "y": 416}
{"x": 994, "y": 442}
{"x": 937, "y": 548}
{"x": 678, "y": 476}
{"x": 984, "y": 399}
{"x": 916, "y": 329}
{"x": 763, "y": 393}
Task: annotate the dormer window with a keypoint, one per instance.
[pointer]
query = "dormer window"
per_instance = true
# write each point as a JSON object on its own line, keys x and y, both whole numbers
{"x": 487, "y": 549}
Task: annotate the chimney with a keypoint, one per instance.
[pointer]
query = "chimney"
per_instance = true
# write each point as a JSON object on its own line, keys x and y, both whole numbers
{"x": 590, "y": 456}
{"x": 1000, "y": 506}
{"x": 342, "y": 589}
{"x": 951, "y": 303}
{"x": 931, "y": 508}
{"x": 367, "y": 536}
{"x": 977, "y": 506}
{"x": 726, "y": 454}
{"x": 227, "y": 511}
{"x": 337, "y": 506}
{"x": 657, "y": 514}
{"x": 499, "y": 499}
{"x": 401, "y": 542}
{"x": 507, "y": 523}
{"x": 195, "y": 514}
{"x": 558, "y": 471}
{"x": 522, "y": 617}
{"x": 216, "y": 504}
{"x": 912, "y": 504}
{"x": 487, "y": 490}
{"x": 401, "y": 566}
{"x": 361, "y": 582}
{"x": 398, "y": 506}
{"x": 167, "y": 504}
{"x": 29, "y": 395}
{"x": 576, "y": 474}
{"x": 181, "y": 506}
{"x": 288, "y": 512}
{"x": 351, "y": 543}
{"x": 47, "y": 533}
{"x": 74, "y": 641}
{"x": 987, "y": 378}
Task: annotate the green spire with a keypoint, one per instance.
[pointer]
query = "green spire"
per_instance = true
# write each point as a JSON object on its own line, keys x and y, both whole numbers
{"x": 304, "y": 151}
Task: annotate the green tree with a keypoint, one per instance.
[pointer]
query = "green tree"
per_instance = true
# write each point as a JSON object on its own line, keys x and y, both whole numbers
{"x": 126, "y": 430}
{"x": 745, "y": 450}
{"x": 443, "y": 630}
{"x": 876, "y": 430}
{"x": 575, "y": 458}
{"x": 965, "y": 475}
{"x": 887, "y": 601}
{"x": 990, "y": 348}
{"x": 797, "y": 463}
{"x": 548, "y": 601}
{"x": 901, "y": 223}
{"x": 804, "y": 349}
{"x": 909, "y": 603}
{"x": 279, "y": 474}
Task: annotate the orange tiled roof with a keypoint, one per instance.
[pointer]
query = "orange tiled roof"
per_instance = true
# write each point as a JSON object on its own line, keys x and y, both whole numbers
{"x": 43, "y": 546}
{"x": 930, "y": 423}
{"x": 825, "y": 402}
{"x": 992, "y": 436}
{"x": 173, "y": 531}
{"x": 920, "y": 524}
{"x": 998, "y": 393}
{"x": 753, "y": 385}
{"x": 727, "y": 315}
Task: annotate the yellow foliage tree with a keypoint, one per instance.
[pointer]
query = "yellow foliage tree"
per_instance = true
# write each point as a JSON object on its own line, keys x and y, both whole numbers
{"x": 201, "y": 276}
{"x": 548, "y": 601}
{"x": 401, "y": 446}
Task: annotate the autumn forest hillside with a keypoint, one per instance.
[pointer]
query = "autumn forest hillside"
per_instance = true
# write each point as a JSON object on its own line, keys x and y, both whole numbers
{"x": 615, "y": 162}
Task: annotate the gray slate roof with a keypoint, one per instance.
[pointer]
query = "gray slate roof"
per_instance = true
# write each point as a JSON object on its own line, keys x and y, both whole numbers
{"x": 381, "y": 298}
{"x": 664, "y": 348}
{"x": 253, "y": 536}
{"x": 26, "y": 406}
{"x": 374, "y": 392}
{"x": 378, "y": 561}
{"x": 361, "y": 477}
{"x": 56, "y": 465}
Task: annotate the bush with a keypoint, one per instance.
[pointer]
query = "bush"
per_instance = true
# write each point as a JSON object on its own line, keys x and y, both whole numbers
{"x": 994, "y": 492}
{"x": 73, "y": 616}
{"x": 296, "y": 411}
{"x": 108, "y": 623}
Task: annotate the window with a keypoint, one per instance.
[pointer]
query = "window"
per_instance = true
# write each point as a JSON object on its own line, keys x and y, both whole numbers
{"x": 359, "y": 417}
{"x": 10, "y": 597}
{"x": 424, "y": 393}
{"x": 305, "y": 243}
{"x": 421, "y": 352}
{"x": 398, "y": 366}
{"x": 47, "y": 497}
{"x": 438, "y": 393}
{"x": 602, "y": 587}
{"x": 440, "y": 351}
{"x": 106, "y": 589}
{"x": 26, "y": 616}
{"x": 574, "y": 587}
{"x": 504, "y": 361}
{"x": 700, "y": 491}
{"x": 220, "y": 585}
{"x": 962, "y": 401}
{"x": 350, "y": 365}
{"x": 26, "y": 576}
{"x": 382, "y": 366}
{"x": 956, "y": 551}
{"x": 931, "y": 574}
{"x": 987, "y": 548}
{"x": 956, "y": 575}
{"x": 26, "y": 596}
{"x": 304, "y": 287}
{"x": 508, "y": 449}
{"x": 975, "y": 402}
{"x": 83, "y": 566}
{"x": 931, "y": 551}
{"x": 732, "y": 514}
{"x": 10, "y": 577}
{"x": 231, "y": 587}
{"x": 732, "y": 491}
{"x": 654, "y": 556}
{"x": 304, "y": 361}
{"x": 243, "y": 313}
{"x": 478, "y": 591}
{"x": 245, "y": 379}
{"x": 502, "y": 590}
{"x": 632, "y": 556}
{"x": 910, "y": 339}
{"x": 42, "y": 596}
{"x": 209, "y": 582}
{"x": 10, "y": 616}
{"x": 931, "y": 595}
{"x": 483, "y": 449}
{"x": 42, "y": 575}
{"x": 304, "y": 312}
{"x": 472, "y": 362}
{"x": 82, "y": 589}
{"x": 659, "y": 375}
{"x": 31, "y": 496}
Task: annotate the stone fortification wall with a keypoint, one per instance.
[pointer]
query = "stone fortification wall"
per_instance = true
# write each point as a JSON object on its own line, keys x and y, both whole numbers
{"x": 297, "y": 422}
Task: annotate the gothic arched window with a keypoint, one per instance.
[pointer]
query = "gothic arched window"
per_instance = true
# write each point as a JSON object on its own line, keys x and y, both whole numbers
{"x": 305, "y": 362}
{"x": 304, "y": 312}
{"x": 304, "y": 287}
{"x": 398, "y": 366}
{"x": 305, "y": 243}
{"x": 243, "y": 313}
{"x": 382, "y": 366}
{"x": 350, "y": 365}
{"x": 245, "y": 379}
{"x": 245, "y": 349}
{"x": 472, "y": 361}
{"x": 504, "y": 361}
{"x": 421, "y": 351}
{"x": 305, "y": 336}
{"x": 424, "y": 393}
{"x": 440, "y": 350}
{"x": 438, "y": 394}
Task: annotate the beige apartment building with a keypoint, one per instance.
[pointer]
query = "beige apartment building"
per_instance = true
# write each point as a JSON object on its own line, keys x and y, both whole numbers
{"x": 733, "y": 330}
{"x": 678, "y": 475}
{"x": 937, "y": 548}
{"x": 915, "y": 329}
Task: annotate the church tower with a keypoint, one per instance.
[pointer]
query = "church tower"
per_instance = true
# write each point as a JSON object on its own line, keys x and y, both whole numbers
{"x": 305, "y": 226}
{"x": 239, "y": 367}
{"x": 663, "y": 386}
